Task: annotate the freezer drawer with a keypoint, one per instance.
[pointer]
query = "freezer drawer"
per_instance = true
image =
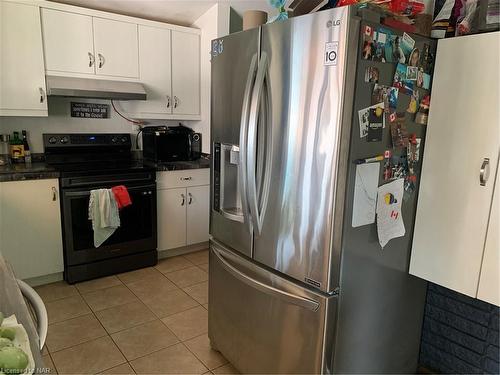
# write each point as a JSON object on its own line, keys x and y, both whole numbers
{"x": 263, "y": 323}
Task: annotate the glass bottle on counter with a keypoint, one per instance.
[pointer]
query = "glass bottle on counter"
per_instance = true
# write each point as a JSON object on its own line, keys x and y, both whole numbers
{"x": 16, "y": 149}
{"x": 26, "y": 147}
{"x": 4, "y": 149}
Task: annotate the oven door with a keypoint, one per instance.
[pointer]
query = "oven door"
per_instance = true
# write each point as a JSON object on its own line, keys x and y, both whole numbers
{"x": 137, "y": 231}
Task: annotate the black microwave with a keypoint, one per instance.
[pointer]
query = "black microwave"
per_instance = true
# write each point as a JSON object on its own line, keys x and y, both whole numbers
{"x": 172, "y": 143}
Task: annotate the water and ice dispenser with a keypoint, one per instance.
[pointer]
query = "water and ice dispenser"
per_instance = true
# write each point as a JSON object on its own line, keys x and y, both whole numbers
{"x": 227, "y": 182}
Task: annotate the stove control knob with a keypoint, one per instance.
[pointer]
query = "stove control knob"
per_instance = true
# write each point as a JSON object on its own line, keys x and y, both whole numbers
{"x": 64, "y": 139}
{"x": 114, "y": 140}
{"x": 52, "y": 140}
{"x": 124, "y": 139}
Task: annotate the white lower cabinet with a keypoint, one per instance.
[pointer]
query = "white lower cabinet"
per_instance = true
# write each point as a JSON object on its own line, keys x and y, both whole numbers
{"x": 183, "y": 209}
{"x": 198, "y": 213}
{"x": 171, "y": 218}
{"x": 30, "y": 227}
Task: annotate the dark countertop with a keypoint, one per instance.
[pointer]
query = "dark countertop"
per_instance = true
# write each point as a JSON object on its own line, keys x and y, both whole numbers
{"x": 203, "y": 162}
{"x": 20, "y": 172}
{"x": 41, "y": 170}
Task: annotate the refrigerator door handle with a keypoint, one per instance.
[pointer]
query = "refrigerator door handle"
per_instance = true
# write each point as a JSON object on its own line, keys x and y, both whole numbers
{"x": 289, "y": 297}
{"x": 259, "y": 109}
{"x": 244, "y": 139}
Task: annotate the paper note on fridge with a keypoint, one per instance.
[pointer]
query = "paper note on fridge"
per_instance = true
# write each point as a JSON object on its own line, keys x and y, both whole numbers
{"x": 389, "y": 219}
{"x": 365, "y": 194}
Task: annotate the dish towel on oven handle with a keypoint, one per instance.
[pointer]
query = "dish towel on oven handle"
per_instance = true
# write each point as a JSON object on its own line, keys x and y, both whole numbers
{"x": 103, "y": 211}
{"x": 122, "y": 196}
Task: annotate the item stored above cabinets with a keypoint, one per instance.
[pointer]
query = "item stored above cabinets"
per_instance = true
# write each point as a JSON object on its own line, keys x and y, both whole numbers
{"x": 179, "y": 143}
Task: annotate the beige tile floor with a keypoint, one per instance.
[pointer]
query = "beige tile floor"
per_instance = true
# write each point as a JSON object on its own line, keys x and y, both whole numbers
{"x": 149, "y": 321}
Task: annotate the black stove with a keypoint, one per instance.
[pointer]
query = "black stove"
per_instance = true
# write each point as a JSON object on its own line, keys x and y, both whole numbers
{"x": 95, "y": 161}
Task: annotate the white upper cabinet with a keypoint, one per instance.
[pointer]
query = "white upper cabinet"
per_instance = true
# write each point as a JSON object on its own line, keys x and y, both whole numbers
{"x": 116, "y": 48}
{"x": 459, "y": 164}
{"x": 68, "y": 43}
{"x": 155, "y": 73}
{"x": 185, "y": 73}
{"x": 22, "y": 72}
{"x": 82, "y": 44}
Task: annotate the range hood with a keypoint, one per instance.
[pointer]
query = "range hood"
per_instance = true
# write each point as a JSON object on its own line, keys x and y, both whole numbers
{"x": 94, "y": 88}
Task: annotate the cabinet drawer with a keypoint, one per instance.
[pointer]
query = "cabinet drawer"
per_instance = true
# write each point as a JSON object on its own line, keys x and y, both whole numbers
{"x": 184, "y": 178}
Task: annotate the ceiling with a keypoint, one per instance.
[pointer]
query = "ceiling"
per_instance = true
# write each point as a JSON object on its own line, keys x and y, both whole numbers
{"x": 179, "y": 12}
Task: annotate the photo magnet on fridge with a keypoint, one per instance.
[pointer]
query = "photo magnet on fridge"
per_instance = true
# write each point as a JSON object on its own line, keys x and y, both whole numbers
{"x": 371, "y": 74}
{"x": 411, "y": 73}
{"x": 399, "y": 133}
{"x": 427, "y": 58}
{"x": 398, "y": 54}
{"x": 401, "y": 81}
{"x": 364, "y": 118}
{"x": 423, "y": 79}
{"x": 413, "y": 105}
{"x": 375, "y": 124}
{"x": 414, "y": 57}
{"x": 386, "y": 94}
{"x": 407, "y": 45}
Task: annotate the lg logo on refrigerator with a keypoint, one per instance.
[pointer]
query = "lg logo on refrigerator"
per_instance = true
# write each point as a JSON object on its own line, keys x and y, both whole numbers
{"x": 333, "y": 23}
{"x": 331, "y": 51}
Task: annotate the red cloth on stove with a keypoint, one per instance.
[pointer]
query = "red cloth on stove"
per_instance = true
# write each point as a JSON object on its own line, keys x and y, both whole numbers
{"x": 121, "y": 196}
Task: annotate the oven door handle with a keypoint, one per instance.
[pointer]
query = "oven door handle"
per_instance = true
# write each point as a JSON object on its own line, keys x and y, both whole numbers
{"x": 83, "y": 193}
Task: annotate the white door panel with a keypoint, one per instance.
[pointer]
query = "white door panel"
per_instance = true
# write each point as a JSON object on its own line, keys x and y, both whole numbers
{"x": 30, "y": 227}
{"x": 185, "y": 73}
{"x": 453, "y": 207}
{"x": 489, "y": 282}
{"x": 68, "y": 43}
{"x": 171, "y": 218}
{"x": 116, "y": 48}
{"x": 198, "y": 214}
{"x": 22, "y": 72}
{"x": 155, "y": 73}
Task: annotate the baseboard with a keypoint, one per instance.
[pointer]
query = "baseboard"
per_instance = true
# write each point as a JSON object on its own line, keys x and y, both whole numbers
{"x": 182, "y": 250}
{"x": 54, "y": 277}
{"x": 45, "y": 279}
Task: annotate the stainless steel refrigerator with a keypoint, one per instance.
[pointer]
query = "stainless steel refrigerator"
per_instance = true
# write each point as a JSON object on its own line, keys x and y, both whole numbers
{"x": 293, "y": 287}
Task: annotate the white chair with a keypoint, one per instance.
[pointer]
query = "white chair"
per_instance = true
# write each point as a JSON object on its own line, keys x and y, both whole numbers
{"x": 37, "y": 307}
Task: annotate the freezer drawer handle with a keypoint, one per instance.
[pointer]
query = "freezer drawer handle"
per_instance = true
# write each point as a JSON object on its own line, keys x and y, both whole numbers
{"x": 296, "y": 300}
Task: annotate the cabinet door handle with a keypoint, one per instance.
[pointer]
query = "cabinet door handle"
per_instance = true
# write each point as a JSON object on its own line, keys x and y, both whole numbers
{"x": 102, "y": 60}
{"x": 54, "y": 194}
{"x": 42, "y": 94}
{"x": 190, "y": 198}
{"x": 91, "y": 60}
{"x": 168, "y": 101}
{"x": 176, "y": 101}
{"x": 183, "y": 199}
{"x": 186, "y": 178}
{"x": 484, "y": 172}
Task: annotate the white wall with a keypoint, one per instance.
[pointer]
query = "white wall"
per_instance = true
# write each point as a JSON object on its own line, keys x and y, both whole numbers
{"x": 60, "y": 121}
{"x": 214, "y": 23}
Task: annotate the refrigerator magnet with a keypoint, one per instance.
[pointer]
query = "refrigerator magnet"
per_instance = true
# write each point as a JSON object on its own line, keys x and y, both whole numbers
{"x": 399, "y": 133}
{"x": 375, "y": 124}
{"x": 386, "y": 94}
{"x": 413, "y": 105}
{"x": 364, "y": 118}
{"x": 371, "y": 74}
